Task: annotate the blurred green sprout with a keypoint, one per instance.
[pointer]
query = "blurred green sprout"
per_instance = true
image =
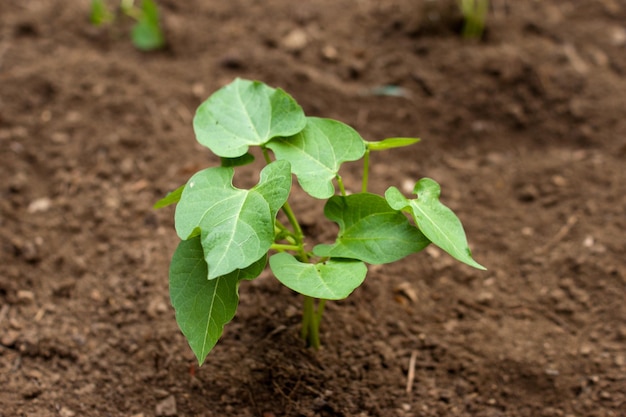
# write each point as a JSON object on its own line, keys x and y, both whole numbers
{"x": 474, "y": 17}
{"x": 146, "y": 34}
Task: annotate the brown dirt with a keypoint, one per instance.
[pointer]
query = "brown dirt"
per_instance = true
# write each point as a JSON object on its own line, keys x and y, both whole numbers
{"x": 524, "y": 130}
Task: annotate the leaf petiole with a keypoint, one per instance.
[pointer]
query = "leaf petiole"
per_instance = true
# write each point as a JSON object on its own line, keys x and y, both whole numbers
{"x": 281, "y": 247}
{"x": 266, "y": 155}
{"x": 298, "y": 234}
{"x": 342, "y": 188}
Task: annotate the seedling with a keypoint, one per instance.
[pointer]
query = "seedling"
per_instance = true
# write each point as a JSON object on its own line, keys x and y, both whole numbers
{"x": 146, "y": 34}
{"x": 474, "y": 16}
{"x": 228, "y": 234}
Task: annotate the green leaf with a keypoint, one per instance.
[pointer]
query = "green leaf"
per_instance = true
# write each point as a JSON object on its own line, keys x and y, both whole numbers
{"x": 147, "y": 34}
{"x": 391, "y": 143}
{"x": 204, "y": 306}
{"x": 236, "y": 226}
{"x": 317, "y": 152}
{"x": 435, "y": 220}
{"x": 244, "y": 159}
{"x": 370, "y": 230}
{"x": 246, "y": 113}
{"x": 171, "y": 198}
{"x": 99, "y": 13}
{"x": 333, "y": 280}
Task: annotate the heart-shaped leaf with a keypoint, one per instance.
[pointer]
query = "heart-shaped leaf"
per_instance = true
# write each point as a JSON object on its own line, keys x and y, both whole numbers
{"x": 246, "y": 113}
{"x": 204, "y": 306}
{"x": 317, "y": 152}
{"x": 434, "y": 219}
{"x": 236, "y": 226}
{"x": 333, "y": 280}
{"x": 370, "y": 230}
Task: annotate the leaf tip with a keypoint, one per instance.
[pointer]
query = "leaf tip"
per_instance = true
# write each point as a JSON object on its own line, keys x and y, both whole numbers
{"x": 200, "y": 360}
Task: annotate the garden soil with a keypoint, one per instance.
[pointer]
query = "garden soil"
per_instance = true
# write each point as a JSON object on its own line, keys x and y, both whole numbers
{"x": 525, "y": 130}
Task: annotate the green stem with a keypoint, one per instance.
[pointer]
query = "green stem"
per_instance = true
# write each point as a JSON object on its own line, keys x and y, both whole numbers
{"x": 282, "y": 233}
{"x": 299, "y": 235}
{"x": 320, "y": 311}
{"x": 266, "y": 155}
{"x": 280, "y": 227}
{"x": 341, "y": 186}
{"x": 366, "y": 170}
{"x": 311, "y": 323}
{"x": 311, "y": 316}
{"x": 281, "y": 247}
{"x": 475, "y": 14}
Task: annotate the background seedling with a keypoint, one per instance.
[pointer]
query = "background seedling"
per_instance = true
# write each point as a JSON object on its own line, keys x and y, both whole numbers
{"x": 228, "y": 234}
{"x": 474, "y": 16}
{"x": 146, "y": 34}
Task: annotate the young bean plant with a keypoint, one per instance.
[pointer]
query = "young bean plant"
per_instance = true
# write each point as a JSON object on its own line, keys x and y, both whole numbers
{"x": 229, "y": 234}
{"x": 146, "y": 34}
{"x": 474, "y": 17}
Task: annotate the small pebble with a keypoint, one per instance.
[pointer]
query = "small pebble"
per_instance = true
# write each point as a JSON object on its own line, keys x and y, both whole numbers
{"x": 25, "y": 296}
{"x": 295, "y": 41}
{"x": 198, "y": 90}
{"x": 484, "y": 297}
{"x": 167, "y": 407}
{"x": 408, "y": 185}
{"x": 618, "y": 36}
{"x": 330, "y": 53}
{"x": 66, "y": 412}
{"x": 585, "y": 350}
{"x": 39, "y": 205}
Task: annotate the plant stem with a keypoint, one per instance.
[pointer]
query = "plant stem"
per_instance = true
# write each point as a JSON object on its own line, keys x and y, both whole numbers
{"x": 311, "y": 322}
{"x": 341, "y": 186}
{"x": 311, "y": 316}
{"x": 299, "y": 235}
{"x": 366, "y": 170}
{"x": 284, "y": 233}
{"x": 266, "y": 155}
{"x": 475, "y": 14}
{"x": 320, "y": 311}
{"x": 281, "y": 248}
